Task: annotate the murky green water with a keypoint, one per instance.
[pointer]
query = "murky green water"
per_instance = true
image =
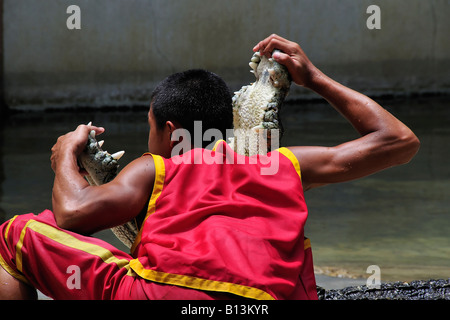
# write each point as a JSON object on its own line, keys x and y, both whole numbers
{"x": 398, "y": 219}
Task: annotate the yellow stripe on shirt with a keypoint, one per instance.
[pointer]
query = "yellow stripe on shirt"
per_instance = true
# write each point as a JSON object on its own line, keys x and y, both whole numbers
{"x": 68, "y": 240}
{"x": 198, "y": 283}
{"x": 288, "y": 154}
{"x": 160, "y": 174}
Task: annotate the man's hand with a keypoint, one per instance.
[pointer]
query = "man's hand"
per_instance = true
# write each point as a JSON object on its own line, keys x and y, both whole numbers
{"x": 83, "y": 208}
{"x": 384, "y": 141}
{"x": 292, "y": 56}
{"x": 72, "y": 143}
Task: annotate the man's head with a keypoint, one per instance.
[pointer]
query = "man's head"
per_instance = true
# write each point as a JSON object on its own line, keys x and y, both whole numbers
{"x": 181, "y": 99}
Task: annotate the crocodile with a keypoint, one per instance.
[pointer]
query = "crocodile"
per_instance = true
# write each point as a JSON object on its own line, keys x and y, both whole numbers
{"x": 101, "y": 168}
{"x": 257, "y": 122}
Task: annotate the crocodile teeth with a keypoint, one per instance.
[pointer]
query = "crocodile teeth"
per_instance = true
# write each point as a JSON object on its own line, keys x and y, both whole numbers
{"x": 90, "y": 123}
{"x": 271, "y": 72}
{"x": 255, "y": 59}
{"x": 258, "y": 127}
{"x": 117, "y": 155}
{"x": 100, "y": 143}
{"x": 92, "y": 133}
{"x": 253, "y": 65}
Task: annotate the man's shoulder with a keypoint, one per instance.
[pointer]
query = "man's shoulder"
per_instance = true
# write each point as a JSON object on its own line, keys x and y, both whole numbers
{"x": 142, "y": 167}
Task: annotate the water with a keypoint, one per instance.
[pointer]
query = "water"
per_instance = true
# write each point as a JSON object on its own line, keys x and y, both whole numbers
{"x": 398, "y": 219}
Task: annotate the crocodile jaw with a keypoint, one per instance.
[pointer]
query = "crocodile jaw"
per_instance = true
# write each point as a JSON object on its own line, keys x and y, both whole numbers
{"x": 103, "y": 167}
{"x": 256, "y": 107}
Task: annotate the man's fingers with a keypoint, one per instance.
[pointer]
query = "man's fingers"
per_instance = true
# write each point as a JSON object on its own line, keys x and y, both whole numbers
{"x": 284, "y": 59}
{"x": 89, "y": 127}
{"x": 274, "y": 43}
{"x": 268, "y": 45}
{"x": 263, "y": 43}
{"x": 271, "y": 43}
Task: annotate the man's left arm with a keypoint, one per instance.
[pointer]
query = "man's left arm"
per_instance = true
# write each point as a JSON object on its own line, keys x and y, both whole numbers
{"x": 86, "y": 209}
{"x": 385, "y": 141}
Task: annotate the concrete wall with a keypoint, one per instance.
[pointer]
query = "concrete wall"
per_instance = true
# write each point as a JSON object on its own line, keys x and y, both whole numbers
{"x": 125, "y": 47}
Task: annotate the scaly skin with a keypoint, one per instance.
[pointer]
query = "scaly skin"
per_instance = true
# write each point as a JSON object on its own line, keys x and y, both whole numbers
{"x": 256, "y": 108}
{"x": 103, "y": 167}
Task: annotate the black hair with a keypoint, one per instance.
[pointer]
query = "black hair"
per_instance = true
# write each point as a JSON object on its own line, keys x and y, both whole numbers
{"x": 193, "y": 95}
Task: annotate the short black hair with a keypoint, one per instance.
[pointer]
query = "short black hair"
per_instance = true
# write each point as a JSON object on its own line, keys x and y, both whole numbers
{"x": 193, "y": 95}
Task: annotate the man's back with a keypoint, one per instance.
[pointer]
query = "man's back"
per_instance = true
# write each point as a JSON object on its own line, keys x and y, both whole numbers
{"x": 225, "y": 227}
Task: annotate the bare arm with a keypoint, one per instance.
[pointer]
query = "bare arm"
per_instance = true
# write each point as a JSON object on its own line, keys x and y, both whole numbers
{"x": 384, "y": 142}
{"x": 86, "y": 209}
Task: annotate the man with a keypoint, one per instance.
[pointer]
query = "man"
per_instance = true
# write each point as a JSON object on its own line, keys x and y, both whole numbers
{"x": 211, "y": 231}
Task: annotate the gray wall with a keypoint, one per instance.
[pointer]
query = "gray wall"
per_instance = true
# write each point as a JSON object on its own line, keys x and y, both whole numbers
{"x": 125, "y": 47}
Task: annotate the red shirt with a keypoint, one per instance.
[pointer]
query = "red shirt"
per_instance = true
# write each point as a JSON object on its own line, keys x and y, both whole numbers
{"x": 214, "y": 222}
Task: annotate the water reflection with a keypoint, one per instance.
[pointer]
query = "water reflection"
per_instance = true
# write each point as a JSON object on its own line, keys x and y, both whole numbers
{"x": 397, "y": 219}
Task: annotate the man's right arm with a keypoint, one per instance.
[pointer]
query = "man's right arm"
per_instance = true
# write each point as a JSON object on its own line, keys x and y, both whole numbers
{"x": 86, "y": 209}
{"x": 385, "y": 141}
